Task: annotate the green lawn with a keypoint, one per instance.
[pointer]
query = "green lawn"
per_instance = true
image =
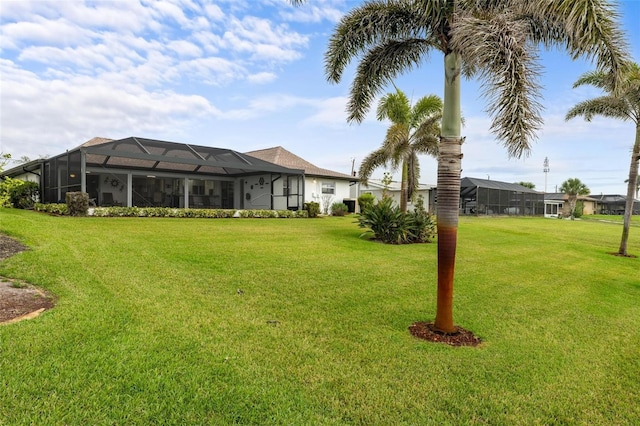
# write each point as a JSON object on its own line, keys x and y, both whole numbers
{"x": 150, "y": 328}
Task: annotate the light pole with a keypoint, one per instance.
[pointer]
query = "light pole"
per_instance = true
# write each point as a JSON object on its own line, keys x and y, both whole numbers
{"x": 545, "y": 170}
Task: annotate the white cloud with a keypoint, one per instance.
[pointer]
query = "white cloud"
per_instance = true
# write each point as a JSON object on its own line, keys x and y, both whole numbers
{"x": 68, "y": 112}
{"x": 214, "y": 12}
{"x": 262, "y": 77}
{"x": 313, "y": 13}
{"x": 212, "y": 70}
{"x": 53, "y": 32}
{"x": 185, "y": 49}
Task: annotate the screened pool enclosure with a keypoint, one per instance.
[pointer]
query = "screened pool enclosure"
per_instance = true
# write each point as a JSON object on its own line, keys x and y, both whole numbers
{"x": 145, "y": 172}
{"x": 489, "y": 197}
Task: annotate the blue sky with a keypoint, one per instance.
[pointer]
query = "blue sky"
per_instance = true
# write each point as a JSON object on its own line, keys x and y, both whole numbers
{"x": 248, "y": 74}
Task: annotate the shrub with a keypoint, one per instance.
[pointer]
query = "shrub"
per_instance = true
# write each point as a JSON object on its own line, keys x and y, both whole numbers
{"x": 578, "y": 211}
{"x": 390, "y": 225}
{"x": 53, "y": 208}
{"x": 339, "y": 209}
{"x": 18, "y": 193}
{"x": 77, "y": 202}
{"x": 366, "y": 201}
{"x": 422, "y": 226}
{"x": 312, "y": 208}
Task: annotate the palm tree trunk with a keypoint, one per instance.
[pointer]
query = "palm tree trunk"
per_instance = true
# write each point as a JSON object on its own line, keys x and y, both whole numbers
{"x": 404, "y": 187}
{"x": 449, "y": 169}
{"x": 631, "y": 186}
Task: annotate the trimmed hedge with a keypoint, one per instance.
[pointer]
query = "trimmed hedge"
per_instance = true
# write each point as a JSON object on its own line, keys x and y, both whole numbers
{"x": 62, "y": 209}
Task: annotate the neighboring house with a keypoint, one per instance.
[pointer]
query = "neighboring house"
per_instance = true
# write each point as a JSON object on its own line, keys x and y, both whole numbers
{"x": 491, "y": 197}
{"x": 614, "y": 204}
{"x": 376, "y": 188}
{"x": 558, "y": 204}
{"x": 322, "y": 186}
{"x": 146, "y": 172}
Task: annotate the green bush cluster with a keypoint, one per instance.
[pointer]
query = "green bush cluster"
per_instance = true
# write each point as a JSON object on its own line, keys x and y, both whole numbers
{"x": 18, "y": 193}
{"x": 365, "y": 201}
{"x": 392, "y": 226}
{"x": 63, "y": 209}
{"x": 339, "y": 209}
{"x": 312, "y": 208}
{"x": 53, "y": 208}
{"x": 77, "y": 202}
{"x": 163, "y": 212}
{"x": 578, "y": 211}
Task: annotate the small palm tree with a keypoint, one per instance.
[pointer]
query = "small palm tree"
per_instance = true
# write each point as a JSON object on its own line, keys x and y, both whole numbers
{"x": 623, "y": 104}
{"x": 529, "y": 185}
{"x": 496, "y": 41}
{"x": 573, "y": 188}
{"x": 414, "y": 130}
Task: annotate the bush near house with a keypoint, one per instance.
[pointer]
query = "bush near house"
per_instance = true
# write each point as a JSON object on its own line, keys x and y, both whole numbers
{"x": 365, "y": 201}
{"x": 77, "y": 203}
{"x": 390, "y": 225}
{"x": 64, "y": 209}
{"x": 312, "y": 208}
{"x": 339, "y": 209}
{"x": 18, "y": 193}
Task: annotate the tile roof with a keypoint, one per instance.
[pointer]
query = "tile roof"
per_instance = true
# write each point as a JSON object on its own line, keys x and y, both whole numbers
{"x": 280, "y": 156}
{"x": 96, "y": 141}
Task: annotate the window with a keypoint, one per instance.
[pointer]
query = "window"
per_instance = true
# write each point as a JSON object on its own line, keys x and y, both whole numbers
{"x": 328, "y": 188}
{"x": 285, "y": 186}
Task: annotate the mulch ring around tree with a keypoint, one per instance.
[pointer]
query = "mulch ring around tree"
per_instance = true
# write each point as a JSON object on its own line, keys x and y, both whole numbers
{"x": 18, "y": 299}
{"x": 460, "y": 337}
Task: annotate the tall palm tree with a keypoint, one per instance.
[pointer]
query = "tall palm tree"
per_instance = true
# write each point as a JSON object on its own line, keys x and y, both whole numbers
{"x": 414, "y": 130}
{"x": 495, "y": 40}
{"x": 574, "y": 187}
{"x": 624, "y": 105}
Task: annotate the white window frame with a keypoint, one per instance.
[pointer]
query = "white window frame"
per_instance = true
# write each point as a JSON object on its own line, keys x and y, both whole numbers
{"x": 328, "y": 188}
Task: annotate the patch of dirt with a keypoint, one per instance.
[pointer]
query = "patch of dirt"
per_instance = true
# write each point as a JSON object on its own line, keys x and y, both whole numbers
{"x": 461, "y": 337}
{"x": 9, "y": 247}
{"x": 615, "y": 253}
{"x": 19, "y": 300}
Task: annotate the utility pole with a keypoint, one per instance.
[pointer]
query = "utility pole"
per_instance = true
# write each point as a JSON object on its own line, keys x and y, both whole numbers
{"x": 545, "y": 170}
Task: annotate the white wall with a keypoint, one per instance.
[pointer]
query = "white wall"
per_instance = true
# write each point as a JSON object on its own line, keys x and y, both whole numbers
{"x": 28, "y": 177}
{"x": 257, "y": 192}
{"x": 313, "y": 191}
{"x": 396, "y": 196}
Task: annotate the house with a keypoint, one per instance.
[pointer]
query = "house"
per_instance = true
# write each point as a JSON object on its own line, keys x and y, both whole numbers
{"x": 376, "y": 188}
{"x": 146, "y": 172}
{"x": 557, "y": 204}
{"x": 322, "y": 186}
{"x": 614, "y": 204}
{"x": 491, "y": 197}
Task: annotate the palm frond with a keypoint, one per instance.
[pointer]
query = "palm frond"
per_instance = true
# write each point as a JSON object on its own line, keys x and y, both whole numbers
{"x": 585, "y": 28}
{"x": 596, "y": 79}
{"x": 425, "y": 107}
{"x": 377, "y": 158}
{"x": 507, "y": 65}
{"x": 396, "y": 144}
{"x": 375, "y": 22}
{"x": 395, "y": 107}
{"x": 606, "y": 106}
{"x": 378, "y": 67}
